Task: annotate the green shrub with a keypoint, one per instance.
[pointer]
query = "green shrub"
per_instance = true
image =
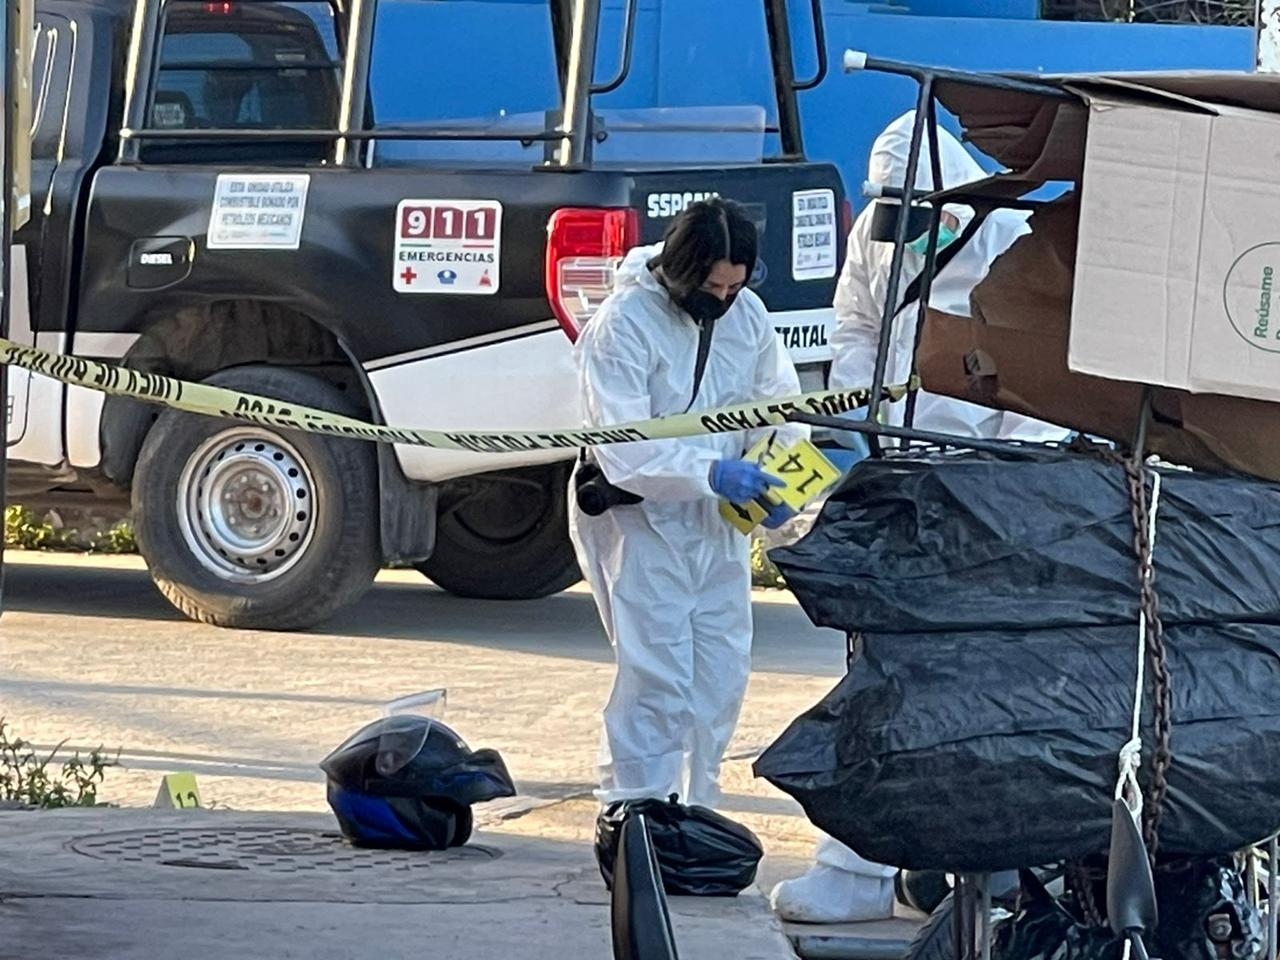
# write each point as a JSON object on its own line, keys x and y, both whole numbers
{"x": 763, "y": 572}
{"x": 26, "y": 777}
{"x": 25, "y": 530}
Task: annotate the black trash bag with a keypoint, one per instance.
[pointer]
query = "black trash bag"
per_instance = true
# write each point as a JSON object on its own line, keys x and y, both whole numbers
{"x": 990, "y": 751}
{"x": 1203, "y": 906}
{"x": 1043, "y": 930}
{"x": 701, "y": 853}
{"x": 975, "y": 541}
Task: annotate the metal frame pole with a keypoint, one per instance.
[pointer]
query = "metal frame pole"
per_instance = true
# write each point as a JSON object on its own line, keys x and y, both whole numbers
{"x": 999, "y": 447}
{"x": 931, "y": 254}
{"x": 354, "y": 102}
{"x": 984, "y": 916}
{"x": 899, "y": 251}
{"x": 139, "y": 70}
{"x": 784, "y": 79}
{"x": 574, "y": 151}
{"x": 1273, "y": 894}
{"x": 8, "y": 83}
{"x": 966, "y": 896}
{"x": 856, "y": 61}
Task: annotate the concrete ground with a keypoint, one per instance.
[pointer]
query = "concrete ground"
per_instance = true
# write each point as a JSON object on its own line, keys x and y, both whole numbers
{"x": 138, "y": 884}
{"x": 91, "y": 653}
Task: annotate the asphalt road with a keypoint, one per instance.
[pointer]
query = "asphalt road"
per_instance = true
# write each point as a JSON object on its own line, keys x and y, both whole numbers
{"x": 90, "y": 653}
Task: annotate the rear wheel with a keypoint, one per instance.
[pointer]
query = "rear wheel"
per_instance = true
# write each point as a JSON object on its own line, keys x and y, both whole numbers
{"x": 252, "y": 527}
{"x": 505, "y": 536}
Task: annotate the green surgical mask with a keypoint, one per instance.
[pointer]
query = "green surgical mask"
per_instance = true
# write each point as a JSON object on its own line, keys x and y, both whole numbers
{"x": 946, "y": 237}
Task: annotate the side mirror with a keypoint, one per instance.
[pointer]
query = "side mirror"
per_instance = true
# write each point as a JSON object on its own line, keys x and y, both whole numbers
{"x": 638, "y": 910}
{"x": 1131, "y": 890}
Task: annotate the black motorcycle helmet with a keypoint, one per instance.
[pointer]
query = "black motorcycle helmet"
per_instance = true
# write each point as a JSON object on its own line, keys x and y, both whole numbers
{"x": 408, "y": 782}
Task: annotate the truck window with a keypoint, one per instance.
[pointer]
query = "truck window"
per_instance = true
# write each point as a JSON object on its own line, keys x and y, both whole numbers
{"x": 463, "y": 64}
{"x": 500, "y": 73}
{"x": 228, "y": 65}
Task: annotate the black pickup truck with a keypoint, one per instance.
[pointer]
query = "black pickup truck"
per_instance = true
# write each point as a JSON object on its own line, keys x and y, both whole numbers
{"x": 213, "y": 199}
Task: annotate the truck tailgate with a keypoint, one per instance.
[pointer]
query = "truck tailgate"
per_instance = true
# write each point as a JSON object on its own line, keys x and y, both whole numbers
{"x": 800, "y": 211}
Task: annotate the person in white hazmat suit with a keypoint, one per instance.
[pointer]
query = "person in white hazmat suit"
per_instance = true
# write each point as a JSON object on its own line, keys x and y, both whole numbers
{"x": 864, "y": 282}
{"x": 843, "y": 887}
{"x": 670, "y": 576}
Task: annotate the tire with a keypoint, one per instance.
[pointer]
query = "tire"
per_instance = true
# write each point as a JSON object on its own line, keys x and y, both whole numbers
{"x": 505, "y": 537}
{"x": 218, "y": 511}
{"x": 924, "y": 890}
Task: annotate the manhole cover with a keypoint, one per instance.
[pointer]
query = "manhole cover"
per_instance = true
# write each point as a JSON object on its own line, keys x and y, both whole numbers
{"x": 265, "y": 850}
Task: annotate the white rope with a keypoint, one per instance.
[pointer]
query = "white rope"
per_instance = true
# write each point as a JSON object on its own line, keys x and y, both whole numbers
{"x": 1130, "y": 760}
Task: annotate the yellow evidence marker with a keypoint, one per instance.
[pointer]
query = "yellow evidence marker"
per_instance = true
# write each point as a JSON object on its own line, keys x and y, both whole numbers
{"x": 179, "y": 791}
{"x": 805, "y": 472}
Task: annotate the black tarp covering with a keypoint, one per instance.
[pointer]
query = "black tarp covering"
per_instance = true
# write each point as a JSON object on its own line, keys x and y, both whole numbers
{"x": 972, "y": 542}
{"x": 996, "y": 750}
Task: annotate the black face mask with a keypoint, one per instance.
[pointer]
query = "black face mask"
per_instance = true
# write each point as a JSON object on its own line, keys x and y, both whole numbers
{"x": 704, "y": 306}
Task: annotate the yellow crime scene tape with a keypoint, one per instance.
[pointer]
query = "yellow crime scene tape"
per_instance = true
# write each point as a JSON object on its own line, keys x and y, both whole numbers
{"x": 220, "y": 402}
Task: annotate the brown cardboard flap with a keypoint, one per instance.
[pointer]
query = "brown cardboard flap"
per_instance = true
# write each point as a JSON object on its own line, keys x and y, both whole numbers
{"x": 1037, "y": 138}
{"x": 1161, "y": 147}
{"x": 1040, "y": 138}
{"x": 1029, "y": 286}
{"x": 1026, "y": 371}
{"x": 1249, "y": 91}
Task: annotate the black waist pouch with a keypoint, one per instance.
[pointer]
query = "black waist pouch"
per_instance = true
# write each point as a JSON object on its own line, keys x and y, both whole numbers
{"x": 595, "y": 494}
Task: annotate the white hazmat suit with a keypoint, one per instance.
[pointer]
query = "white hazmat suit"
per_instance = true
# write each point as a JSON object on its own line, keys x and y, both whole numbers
{"x": 844, "y": 887}
{"x": 864, "y": 282}
{"x": 670, "y": 576}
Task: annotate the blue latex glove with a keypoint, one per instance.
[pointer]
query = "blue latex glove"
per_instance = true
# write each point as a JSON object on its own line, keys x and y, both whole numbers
{"x": 777, "y": 517}
{"x": 740, "y": 480}
{"x": 855, "y": 443}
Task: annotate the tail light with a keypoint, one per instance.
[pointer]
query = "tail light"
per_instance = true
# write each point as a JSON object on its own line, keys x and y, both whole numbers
{"x": 584, "y": 248}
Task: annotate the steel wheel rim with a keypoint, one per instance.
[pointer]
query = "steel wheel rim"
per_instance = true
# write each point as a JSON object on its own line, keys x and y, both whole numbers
{"x": 246, "y": 505}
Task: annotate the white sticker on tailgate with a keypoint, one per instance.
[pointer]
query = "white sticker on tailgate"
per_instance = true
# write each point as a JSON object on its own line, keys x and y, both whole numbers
{"x": 813, "y": 235}
{"x": 447, "y": 246}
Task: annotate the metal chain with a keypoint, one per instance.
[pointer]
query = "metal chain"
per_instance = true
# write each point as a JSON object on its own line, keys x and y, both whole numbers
{"x": 1081, "y": 887}
{"x": 1157, "y": 659}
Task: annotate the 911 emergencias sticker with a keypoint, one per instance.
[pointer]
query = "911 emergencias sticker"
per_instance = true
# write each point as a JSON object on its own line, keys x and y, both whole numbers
{"x": 448, "y": 247}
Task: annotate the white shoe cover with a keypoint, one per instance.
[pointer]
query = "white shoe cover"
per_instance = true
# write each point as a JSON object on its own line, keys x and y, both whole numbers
{"x": 828, "y": 895}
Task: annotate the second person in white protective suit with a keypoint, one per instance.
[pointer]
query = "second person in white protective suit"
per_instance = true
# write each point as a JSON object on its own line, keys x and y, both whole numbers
{"x": 844, "y": 887}
{"x": 863, "y": 285}
{"x": 670, "y": 576}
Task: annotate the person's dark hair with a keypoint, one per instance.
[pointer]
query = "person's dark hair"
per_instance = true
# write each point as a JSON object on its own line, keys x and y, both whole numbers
{"x": 705, "y": 232}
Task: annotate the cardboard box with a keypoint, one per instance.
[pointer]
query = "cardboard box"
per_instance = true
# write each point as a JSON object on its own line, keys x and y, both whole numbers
{"x": 1157, "y": 269}
{"x": 1179, "y": 249}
